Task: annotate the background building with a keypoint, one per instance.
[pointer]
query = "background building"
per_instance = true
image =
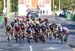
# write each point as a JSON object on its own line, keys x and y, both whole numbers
{"x": 44, "y": 6}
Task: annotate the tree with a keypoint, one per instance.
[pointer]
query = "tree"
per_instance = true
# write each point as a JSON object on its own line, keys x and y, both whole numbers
{"x": 73, "y": 4}
{"x": 64, "y": 4}
{"x": 1, "y": 5}
{"x": 14, "y": 5}
{"x": 70, "y": 4}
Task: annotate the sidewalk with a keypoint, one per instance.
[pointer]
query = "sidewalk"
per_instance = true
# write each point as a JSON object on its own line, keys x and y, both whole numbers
{"x": 66, "y": 21}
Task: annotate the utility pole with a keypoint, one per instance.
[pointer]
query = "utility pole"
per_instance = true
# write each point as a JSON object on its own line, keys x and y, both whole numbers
{"x": 4, "y": 8}
{"x": 8, "y": 8}
{"x": 4, "y": 4}
{"x": 59, "y": 5}
{"x": 53, "y": 9}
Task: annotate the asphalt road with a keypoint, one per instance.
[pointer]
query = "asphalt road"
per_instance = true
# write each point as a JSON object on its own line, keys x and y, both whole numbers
{"x": 50, "y": 45}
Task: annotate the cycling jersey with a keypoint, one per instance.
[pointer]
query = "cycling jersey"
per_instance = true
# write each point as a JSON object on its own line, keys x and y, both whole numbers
{"x": 52, "y": 26}
{"x": 8, "y": 28}
{"x": 60, "y": 29}
{"x": 43, "y": 28}
{"x": 20, "y": 23}
{"x": 66, "y": 30}
{"x": 17, "y": 28}
{"x": 22, "y": 27}
{"x": 12, "y": 24}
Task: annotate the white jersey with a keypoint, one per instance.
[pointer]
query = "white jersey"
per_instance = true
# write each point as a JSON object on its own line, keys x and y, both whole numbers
{"x": 61, "y": 28}
{"x": 65, "y": 28}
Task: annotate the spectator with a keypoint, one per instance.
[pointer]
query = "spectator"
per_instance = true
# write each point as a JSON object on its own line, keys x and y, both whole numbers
{"x": 5, "y": 20}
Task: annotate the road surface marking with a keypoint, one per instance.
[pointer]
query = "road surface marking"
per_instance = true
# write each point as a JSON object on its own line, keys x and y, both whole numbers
{"x": 50, "y": 48}
{"x": 30, "y": 48}
{"x": 1, "y": 49}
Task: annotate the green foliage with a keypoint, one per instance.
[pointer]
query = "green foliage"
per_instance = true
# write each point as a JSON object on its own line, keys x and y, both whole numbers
{"x": 70, "y": 4}
{"x": 1, "y": 5}
{"x": 64, "y": 4}
{"x": 14, "y": 5}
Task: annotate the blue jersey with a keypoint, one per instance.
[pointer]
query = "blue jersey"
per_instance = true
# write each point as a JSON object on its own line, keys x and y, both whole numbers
{"x": 20, "y": 23}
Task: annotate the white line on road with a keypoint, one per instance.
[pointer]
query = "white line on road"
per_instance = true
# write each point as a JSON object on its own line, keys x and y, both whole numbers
{"x": 1, "y": 49}
{"x": 49, "y": 48}
{"x": 72, "y": 30}
{"x": 30, "y": 48}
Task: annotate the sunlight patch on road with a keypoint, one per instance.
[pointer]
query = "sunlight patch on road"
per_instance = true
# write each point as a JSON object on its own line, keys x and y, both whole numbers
{"x": 50, "y": 48}
{"x": 73, "y": 49}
